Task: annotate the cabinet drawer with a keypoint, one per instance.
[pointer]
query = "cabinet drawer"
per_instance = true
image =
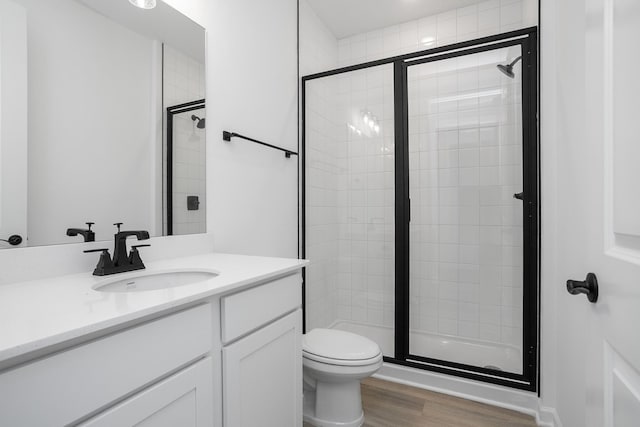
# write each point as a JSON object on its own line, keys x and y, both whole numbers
{"x": 248, "y": 310}
{"x": 69, "y": 385}
{"x": 183, "y": 399}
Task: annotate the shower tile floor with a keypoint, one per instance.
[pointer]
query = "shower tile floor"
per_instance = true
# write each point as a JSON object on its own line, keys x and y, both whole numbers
{"x": 388, "y": 404}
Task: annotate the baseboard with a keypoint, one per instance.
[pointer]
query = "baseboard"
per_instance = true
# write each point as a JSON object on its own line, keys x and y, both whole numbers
{"x": 548, "y": 417}
{"x": 491, "y": 394}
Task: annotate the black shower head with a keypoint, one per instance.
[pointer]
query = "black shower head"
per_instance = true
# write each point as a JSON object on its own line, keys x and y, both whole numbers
{"x": 200, "y": 124}
{"x": 507, "y": 70}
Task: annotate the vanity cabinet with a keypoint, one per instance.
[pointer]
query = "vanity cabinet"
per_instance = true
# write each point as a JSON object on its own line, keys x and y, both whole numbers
{"x": 229, "y": 360}
{"x": 262, "y": 355}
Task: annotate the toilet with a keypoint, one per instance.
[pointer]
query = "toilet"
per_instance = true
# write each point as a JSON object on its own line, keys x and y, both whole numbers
{"x": 333, "y": 364}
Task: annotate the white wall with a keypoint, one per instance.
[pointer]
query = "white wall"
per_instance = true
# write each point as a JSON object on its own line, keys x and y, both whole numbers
{"x": 562, "y": 50}
{"x": 88, "y": 160}
{"x": 252, "y": 90}
{"x": 318, "y": 45}
{"x": 550, "y": 283}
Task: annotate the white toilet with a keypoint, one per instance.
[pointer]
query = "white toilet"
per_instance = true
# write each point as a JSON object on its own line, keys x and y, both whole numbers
{"x": 333, "y": 364}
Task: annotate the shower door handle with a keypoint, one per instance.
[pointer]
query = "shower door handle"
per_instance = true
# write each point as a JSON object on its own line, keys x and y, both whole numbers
{"x": 519, "y": 196}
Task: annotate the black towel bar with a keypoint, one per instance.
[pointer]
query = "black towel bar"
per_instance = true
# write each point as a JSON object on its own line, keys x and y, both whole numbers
{"x": 228, "y": 135}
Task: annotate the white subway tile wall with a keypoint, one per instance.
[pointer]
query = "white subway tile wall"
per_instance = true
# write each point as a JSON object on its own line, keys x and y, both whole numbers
{"x": 467, "y": 23}
{"x": 183, "y": 81}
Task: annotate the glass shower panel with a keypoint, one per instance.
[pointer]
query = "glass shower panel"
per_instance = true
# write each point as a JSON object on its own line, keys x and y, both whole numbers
{"x": 466, "y": 239}
{"x": 349, "y": 203}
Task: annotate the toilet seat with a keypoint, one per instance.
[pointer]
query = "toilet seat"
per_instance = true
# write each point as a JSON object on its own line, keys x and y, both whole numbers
{"x": 340, "y": 348}
{"x": 341, "y": 362}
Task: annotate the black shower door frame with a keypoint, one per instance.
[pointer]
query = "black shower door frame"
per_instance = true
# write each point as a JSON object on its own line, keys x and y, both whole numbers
{"x": 527, "y": 40}
{"x": 168, "y": 194}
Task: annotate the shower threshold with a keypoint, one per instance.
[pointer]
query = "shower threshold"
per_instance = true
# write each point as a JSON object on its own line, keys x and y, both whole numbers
{"x": 490, "y": 355}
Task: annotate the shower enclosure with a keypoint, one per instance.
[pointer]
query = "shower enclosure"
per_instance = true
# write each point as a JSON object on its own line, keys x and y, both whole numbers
{"x": 420, "y": 195}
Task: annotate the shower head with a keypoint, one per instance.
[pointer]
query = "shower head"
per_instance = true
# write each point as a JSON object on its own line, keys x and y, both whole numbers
{"x": 200, "y": 124}
{"x": 507, "y": 70}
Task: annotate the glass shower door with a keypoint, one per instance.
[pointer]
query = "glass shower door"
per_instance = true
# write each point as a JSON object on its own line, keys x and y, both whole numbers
{"x": 466, "y": 231}
{"x": 349, "y": 203}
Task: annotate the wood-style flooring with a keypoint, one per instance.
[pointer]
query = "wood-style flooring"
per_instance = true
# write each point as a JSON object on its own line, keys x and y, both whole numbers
{"x": 388, "y": 404}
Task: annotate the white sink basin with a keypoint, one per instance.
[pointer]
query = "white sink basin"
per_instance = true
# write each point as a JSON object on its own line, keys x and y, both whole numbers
{"x": 153, "y": 281}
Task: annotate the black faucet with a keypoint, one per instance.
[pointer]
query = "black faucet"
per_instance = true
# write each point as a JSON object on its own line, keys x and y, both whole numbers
{"x": 88, "y": 234}
{"x": 120, "y": 256}
{"x": 121, "y": 262}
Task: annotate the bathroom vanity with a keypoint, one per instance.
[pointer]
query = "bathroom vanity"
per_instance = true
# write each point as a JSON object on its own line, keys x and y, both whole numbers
{"x": 71, "y": 354}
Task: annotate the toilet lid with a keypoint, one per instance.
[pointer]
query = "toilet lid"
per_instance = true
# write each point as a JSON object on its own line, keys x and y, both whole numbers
{"x": 340, "y": 345}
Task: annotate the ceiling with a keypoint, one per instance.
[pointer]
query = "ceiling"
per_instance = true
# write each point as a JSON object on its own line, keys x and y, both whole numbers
{"x": 348, "y": 17}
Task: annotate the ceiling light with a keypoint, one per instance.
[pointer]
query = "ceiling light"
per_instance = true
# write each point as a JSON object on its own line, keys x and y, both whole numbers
{"x": 143, "y": 4}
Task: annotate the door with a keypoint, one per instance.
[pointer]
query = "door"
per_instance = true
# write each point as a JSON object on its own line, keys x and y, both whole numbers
{"x": 262, "y": 376}
{"x": 599, "y": 211}
{"x": 468, "y": 223}
{"x": 185, "y": 399}
{"x": 471, "y": 153}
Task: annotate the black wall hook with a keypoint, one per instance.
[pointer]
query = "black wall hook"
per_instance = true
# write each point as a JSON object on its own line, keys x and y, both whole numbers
{"x": 589, "y": 287}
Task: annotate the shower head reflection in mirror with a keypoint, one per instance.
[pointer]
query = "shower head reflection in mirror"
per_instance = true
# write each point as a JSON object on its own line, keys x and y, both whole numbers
{"x": 199, "y": 121}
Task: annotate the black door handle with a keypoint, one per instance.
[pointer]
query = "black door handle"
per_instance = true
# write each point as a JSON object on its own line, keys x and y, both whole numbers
{"x": 519, "y": 196}
{"x": 589, "y": 287}
{"x": 13, "y": 240}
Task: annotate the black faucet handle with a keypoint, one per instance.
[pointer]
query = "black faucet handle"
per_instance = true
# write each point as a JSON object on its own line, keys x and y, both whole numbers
{"x": 89, "y": 224}
{"x": 134, "y": 256}
{"x": 105, "y": 264}
{"x": 118, "y": 224}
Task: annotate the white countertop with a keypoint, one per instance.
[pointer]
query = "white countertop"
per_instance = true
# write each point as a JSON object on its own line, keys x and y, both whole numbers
{"x": 41, "y": 313}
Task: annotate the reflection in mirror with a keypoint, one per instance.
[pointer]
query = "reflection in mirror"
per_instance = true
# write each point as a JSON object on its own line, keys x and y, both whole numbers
{"x": 93, "y": 81}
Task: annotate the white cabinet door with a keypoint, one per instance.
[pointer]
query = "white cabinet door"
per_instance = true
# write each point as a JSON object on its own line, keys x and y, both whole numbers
{"x": 184, "y": 399}
{"x": 262, "y": 376}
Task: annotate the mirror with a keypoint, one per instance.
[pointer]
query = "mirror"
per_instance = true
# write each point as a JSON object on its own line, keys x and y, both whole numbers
{"x": 108, "y": 100}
